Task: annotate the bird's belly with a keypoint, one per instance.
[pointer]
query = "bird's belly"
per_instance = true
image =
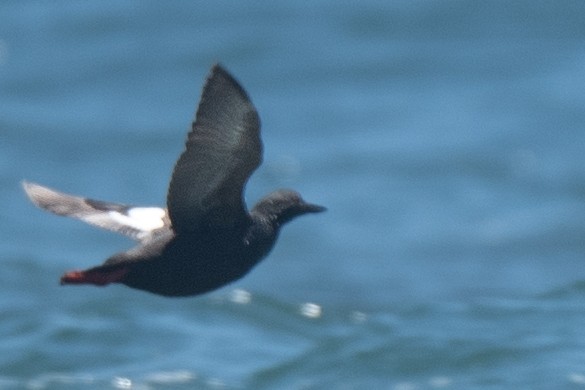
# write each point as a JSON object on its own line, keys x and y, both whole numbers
{"x": 186, "y": 276}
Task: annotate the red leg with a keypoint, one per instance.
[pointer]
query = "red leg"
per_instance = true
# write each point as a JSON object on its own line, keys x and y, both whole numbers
{"x": 94, "y": 276}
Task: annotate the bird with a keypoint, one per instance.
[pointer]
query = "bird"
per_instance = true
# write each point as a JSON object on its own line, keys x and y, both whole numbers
{"x": 205, "y": 238}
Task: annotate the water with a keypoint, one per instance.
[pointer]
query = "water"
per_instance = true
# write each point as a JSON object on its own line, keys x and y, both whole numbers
{"x": 446, "y": 139}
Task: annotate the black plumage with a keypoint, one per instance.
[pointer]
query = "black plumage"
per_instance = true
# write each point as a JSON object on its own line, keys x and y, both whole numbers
{"x": 206, "y": 237}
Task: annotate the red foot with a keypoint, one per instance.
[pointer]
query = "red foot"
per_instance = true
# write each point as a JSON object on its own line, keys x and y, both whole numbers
{"x": 99, "y": 278}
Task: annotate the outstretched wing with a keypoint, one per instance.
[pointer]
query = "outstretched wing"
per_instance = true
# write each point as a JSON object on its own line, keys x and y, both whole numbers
{"x": 139, "y": 223}
{"x": 222, "y": 150}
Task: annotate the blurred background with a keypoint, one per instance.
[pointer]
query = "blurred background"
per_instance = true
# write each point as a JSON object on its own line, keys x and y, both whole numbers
{"x": 446, "y": 139}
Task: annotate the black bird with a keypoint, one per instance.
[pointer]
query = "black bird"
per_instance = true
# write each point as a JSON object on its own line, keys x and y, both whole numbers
{"x": 205, "y": 238}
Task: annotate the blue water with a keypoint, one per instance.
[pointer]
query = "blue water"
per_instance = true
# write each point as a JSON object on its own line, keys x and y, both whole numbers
{"x": 447, "y": 140}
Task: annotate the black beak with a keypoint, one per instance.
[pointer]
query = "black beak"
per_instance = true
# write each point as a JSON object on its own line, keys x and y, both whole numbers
{"x": 313, "y": 208}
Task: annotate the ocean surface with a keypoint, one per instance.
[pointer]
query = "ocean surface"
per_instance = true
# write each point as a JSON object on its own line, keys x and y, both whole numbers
{"x": 446, "y": 138}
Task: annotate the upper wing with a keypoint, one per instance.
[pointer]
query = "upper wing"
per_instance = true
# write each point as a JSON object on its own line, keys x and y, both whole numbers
{"x": 139, "y": 223}
{"x": 222, "y": 150}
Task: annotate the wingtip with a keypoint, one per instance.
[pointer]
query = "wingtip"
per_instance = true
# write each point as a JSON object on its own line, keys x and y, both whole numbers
{"x": 220, "y": 83}
{"x": 29, "y": 185}
{"x": 34, "y": 191}
{"x": 218, "y": 71}
{"x": 28, "y": 188}
{"x": 217, "y": 66}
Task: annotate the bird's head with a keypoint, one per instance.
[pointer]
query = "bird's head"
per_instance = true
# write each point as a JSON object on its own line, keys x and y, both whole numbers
{"x": 283, "y": 205}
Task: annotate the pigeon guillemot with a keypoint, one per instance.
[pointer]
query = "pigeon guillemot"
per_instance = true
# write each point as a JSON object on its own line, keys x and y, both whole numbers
{"x": 205, "y": 238}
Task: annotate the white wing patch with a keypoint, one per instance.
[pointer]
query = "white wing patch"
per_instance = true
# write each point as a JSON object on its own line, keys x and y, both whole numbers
{"x": 139, "y": 223}
{"x": 144, "y": 219}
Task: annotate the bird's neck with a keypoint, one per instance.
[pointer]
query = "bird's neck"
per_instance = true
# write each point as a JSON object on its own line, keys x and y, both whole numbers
{"x": 261, "y": 235}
